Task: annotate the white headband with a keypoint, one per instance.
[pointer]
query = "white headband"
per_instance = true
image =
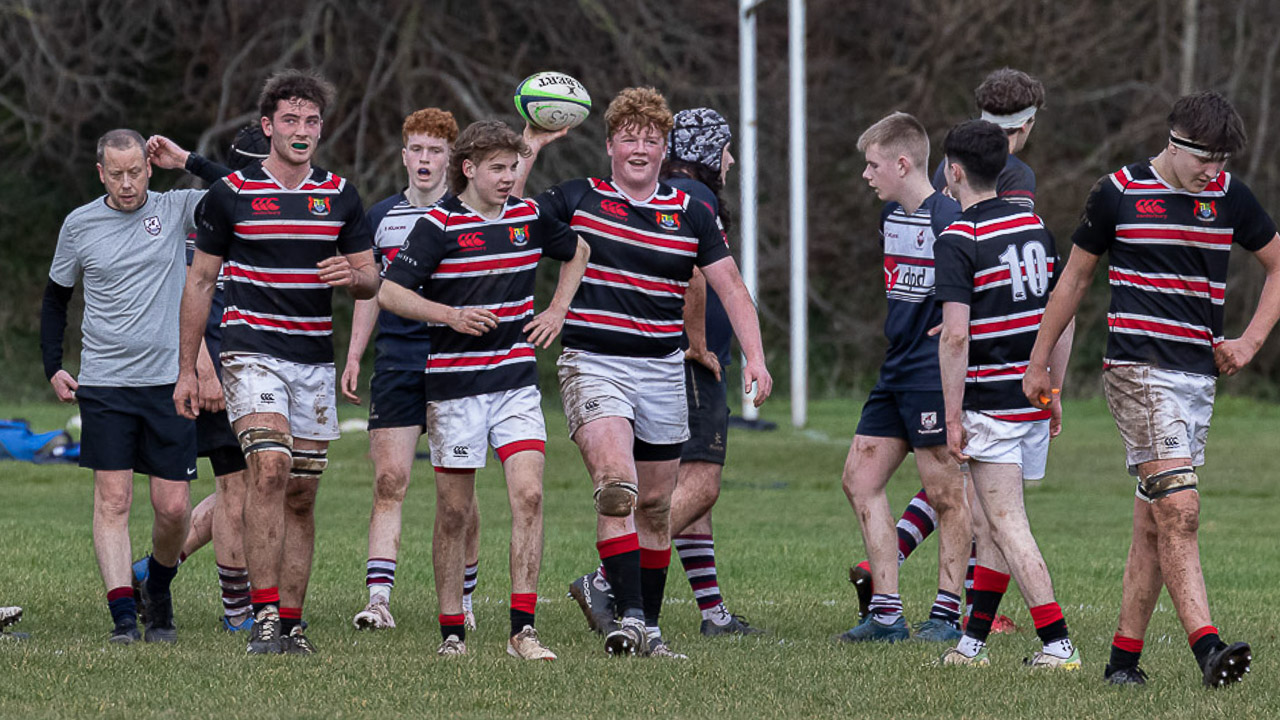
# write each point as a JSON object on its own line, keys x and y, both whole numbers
{"x": 1011, "y": 121}
{"x": 1194, "y": 147}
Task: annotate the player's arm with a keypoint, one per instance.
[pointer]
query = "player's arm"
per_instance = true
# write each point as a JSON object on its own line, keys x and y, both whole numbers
{"x": 354, "y": 271}
{"x": 1232, "y": 355}
{"x": 953, "y": 363}
{"x": 724, "y": 278}
{"x": 53, "y": 328}
{"x": 169, "y": 155}
{"x": 208, "y": 385}
{"x": 396, "y": 298}
{"x": 363, "y": 318}
{"x": 1058, "y": 360}
{"x": 544, "y": 328}
{"x": 1037, "y": 384}
{"x": 695, "y": 324}
{"x": 197, "y": 295}
{"x": 536, "y": 139}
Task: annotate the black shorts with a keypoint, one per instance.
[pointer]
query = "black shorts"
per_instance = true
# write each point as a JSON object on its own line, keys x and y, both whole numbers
{"x": 217, "y": 441}
{"x": 398, "y": 398}
{"x": 136, "y": 428}
{"x": 708, "y": 415}
{"x": 917, "y": 416}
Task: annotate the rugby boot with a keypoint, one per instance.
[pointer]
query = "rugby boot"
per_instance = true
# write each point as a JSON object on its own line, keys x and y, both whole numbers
{"x": 936, "y": 630}
{"x": 628, "y": 638}
{"x": 870, "y": 630}
{"x": 1226, "y": 665}
{"x": 264, "y": 639}
{"x": 526, "y": 646}
{"x": 726, "y": 623}
{"x": 595, "y": 597}
{"x": 1124, "y": 676}
{"x": 861, "y": 579}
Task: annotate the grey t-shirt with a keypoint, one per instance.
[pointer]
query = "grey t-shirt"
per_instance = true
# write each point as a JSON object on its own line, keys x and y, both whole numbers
{"x": 134, "y": 267}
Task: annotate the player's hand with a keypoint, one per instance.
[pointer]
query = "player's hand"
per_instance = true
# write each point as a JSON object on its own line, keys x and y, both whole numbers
{"x": 186, "y": 396}
{"x": 1037, "y": 387}
{"x": 350, "y": 380}
{"x": 1232, "y": 355}
{"x": 336, "y": 271}
{"x": 209, "y": 392}
{"x": 755, "y": 373}
{"x": 537, "y": 138}
{"x": 705, "y": 358}
{"x": 1055, "y": 417}
{"x": 933, "y": 331}
{"x": 957, "y": 438}
{"x": 472, "y": 321}
{"x": 64, "y": 386}
{"x": 545, "y": 327}
{"x": 165, "y": 153}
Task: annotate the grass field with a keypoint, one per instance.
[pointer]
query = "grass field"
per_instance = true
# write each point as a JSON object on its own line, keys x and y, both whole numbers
{"x": 785, "y": 536}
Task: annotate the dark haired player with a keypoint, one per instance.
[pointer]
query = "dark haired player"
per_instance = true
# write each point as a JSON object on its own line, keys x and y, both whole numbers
{"x": 1169, "y": 225}
{"x": 475, "y": 257}
{"x": 289, "y": 233}
{"x": 996, "y": 268}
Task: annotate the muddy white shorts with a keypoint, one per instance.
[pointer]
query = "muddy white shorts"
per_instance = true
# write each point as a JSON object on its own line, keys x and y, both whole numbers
{"x": 301, "y": 392}
{"x": 461, "y": 431}
{"x": 647, "y": 391}
{"x": 1025, "y": 444}
{"x": 1161, "y": 414}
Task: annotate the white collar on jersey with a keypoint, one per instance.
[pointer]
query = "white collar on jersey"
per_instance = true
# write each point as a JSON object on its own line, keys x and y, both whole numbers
{"x": 1012, "y": 120}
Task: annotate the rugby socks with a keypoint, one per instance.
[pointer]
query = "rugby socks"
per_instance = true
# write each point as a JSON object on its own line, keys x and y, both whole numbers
{"x": 159, "y": 578}
{"x": 1203, "y": 642}
{"x": 698, "y": 556}
{"x": 453, "y": 625}
{"x": 234, "y": 582}
{"x": 260, "y": 599}
{"x": 989, "y": 588}
{"x": 1051, "y": 627}
{"x": 380, "y": 577}
{"x": 653, "y": 584}
{"x": 968, "y": 578}
{"x": 946, "y": 607}
{"x": 523, "y": 606}
{"x": 1125, "y": 652}
{"x": 620, "y": 557}
{"x": 886, "y": 608}
{"x": 917, "y": 523}
{"x": 469, "y": 584}
{"x": 124, "y": 610}
{"x": 290, "y": 618}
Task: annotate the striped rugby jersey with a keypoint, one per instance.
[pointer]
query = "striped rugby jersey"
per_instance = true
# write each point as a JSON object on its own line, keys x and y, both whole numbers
{"x": 911, "y": 360}
{"x": 271, "y": 238}
{"x": 401, "y": 344}
{"x": 461, "y": 259}
{"x": 631, "y": 301}
{"x": 1015, "y": 183}
{"x": 1000, "y": 261}
{"x": 1169, "y": 251}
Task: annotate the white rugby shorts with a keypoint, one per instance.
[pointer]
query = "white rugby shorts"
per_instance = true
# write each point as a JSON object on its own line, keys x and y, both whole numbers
{"x": 647, "y": 391}
{"x": 301, "y": 392}
{"x": 1003, "y": 442}
{"x": 460, "y": 431}
{"x": 1161, "y": 414}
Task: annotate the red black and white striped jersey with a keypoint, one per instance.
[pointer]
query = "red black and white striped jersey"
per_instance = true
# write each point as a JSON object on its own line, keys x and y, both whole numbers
{"x": 461, "y": 259}
{"x": 1169, "y": 251}
{"x": 271, "y": 238}
{"x": 1000, "y": 261}
{"x": 631, "y": 301}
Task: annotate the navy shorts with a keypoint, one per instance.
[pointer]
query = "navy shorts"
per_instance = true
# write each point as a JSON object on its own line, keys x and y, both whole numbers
{"x": 398, "y": 399}
{"x": 708, "y": 415}
{"x": 136, "y": 428}
{"x": 217, "y": 441}
{"x": 917, "y": 416}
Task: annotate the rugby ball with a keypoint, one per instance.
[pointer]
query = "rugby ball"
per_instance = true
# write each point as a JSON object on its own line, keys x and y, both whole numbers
{"x": 552, "y": 101}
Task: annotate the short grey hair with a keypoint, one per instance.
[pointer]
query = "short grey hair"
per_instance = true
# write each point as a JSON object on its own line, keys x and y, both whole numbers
{"x": 121, "y": 139}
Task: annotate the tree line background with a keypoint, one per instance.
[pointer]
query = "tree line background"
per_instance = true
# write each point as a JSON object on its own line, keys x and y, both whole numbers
{"x": 76, "y": 68}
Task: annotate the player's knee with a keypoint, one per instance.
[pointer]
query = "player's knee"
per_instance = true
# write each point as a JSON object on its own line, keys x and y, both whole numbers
{"x": 172, "y": 512}
{"x": 527, "y": 501}
{"x": 300, "y": 499}
{"x": 656, "y": 511}
{"x": 108, "y": 503}
{"x": 452, "y": 518}
{"x": 390, "y": 485}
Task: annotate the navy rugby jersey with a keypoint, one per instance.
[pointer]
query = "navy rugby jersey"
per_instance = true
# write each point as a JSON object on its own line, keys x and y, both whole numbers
{"x": 1000, "y": 261}
{"x": 631, "y": 301}
{"x": 461, "y": 259}
{"x": 1016, "y": 182}
{"x": 719, "y": 330}
{"x": 401, "y": 344}
{"x": 271, "y": 238}
{"x": 1169, "y": 251}
{"x": 911, "y": 360}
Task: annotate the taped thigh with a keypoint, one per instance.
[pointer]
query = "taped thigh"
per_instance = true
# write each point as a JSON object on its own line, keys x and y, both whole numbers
{"x": 262, "y": 439}
{"x": 1167, "y": 482}
{"x": 310, "y": 463}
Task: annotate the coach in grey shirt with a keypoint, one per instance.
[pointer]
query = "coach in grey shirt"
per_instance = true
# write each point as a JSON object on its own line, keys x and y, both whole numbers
{"x": 129, "y": 248}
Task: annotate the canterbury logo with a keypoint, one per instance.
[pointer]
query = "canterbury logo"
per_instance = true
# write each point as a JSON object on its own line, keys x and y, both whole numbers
{"x": 265, "y": 205}
{"x": 471, "y": 241}
{"x": 1149, "y": 207}
{"x": 614, "y": 208}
